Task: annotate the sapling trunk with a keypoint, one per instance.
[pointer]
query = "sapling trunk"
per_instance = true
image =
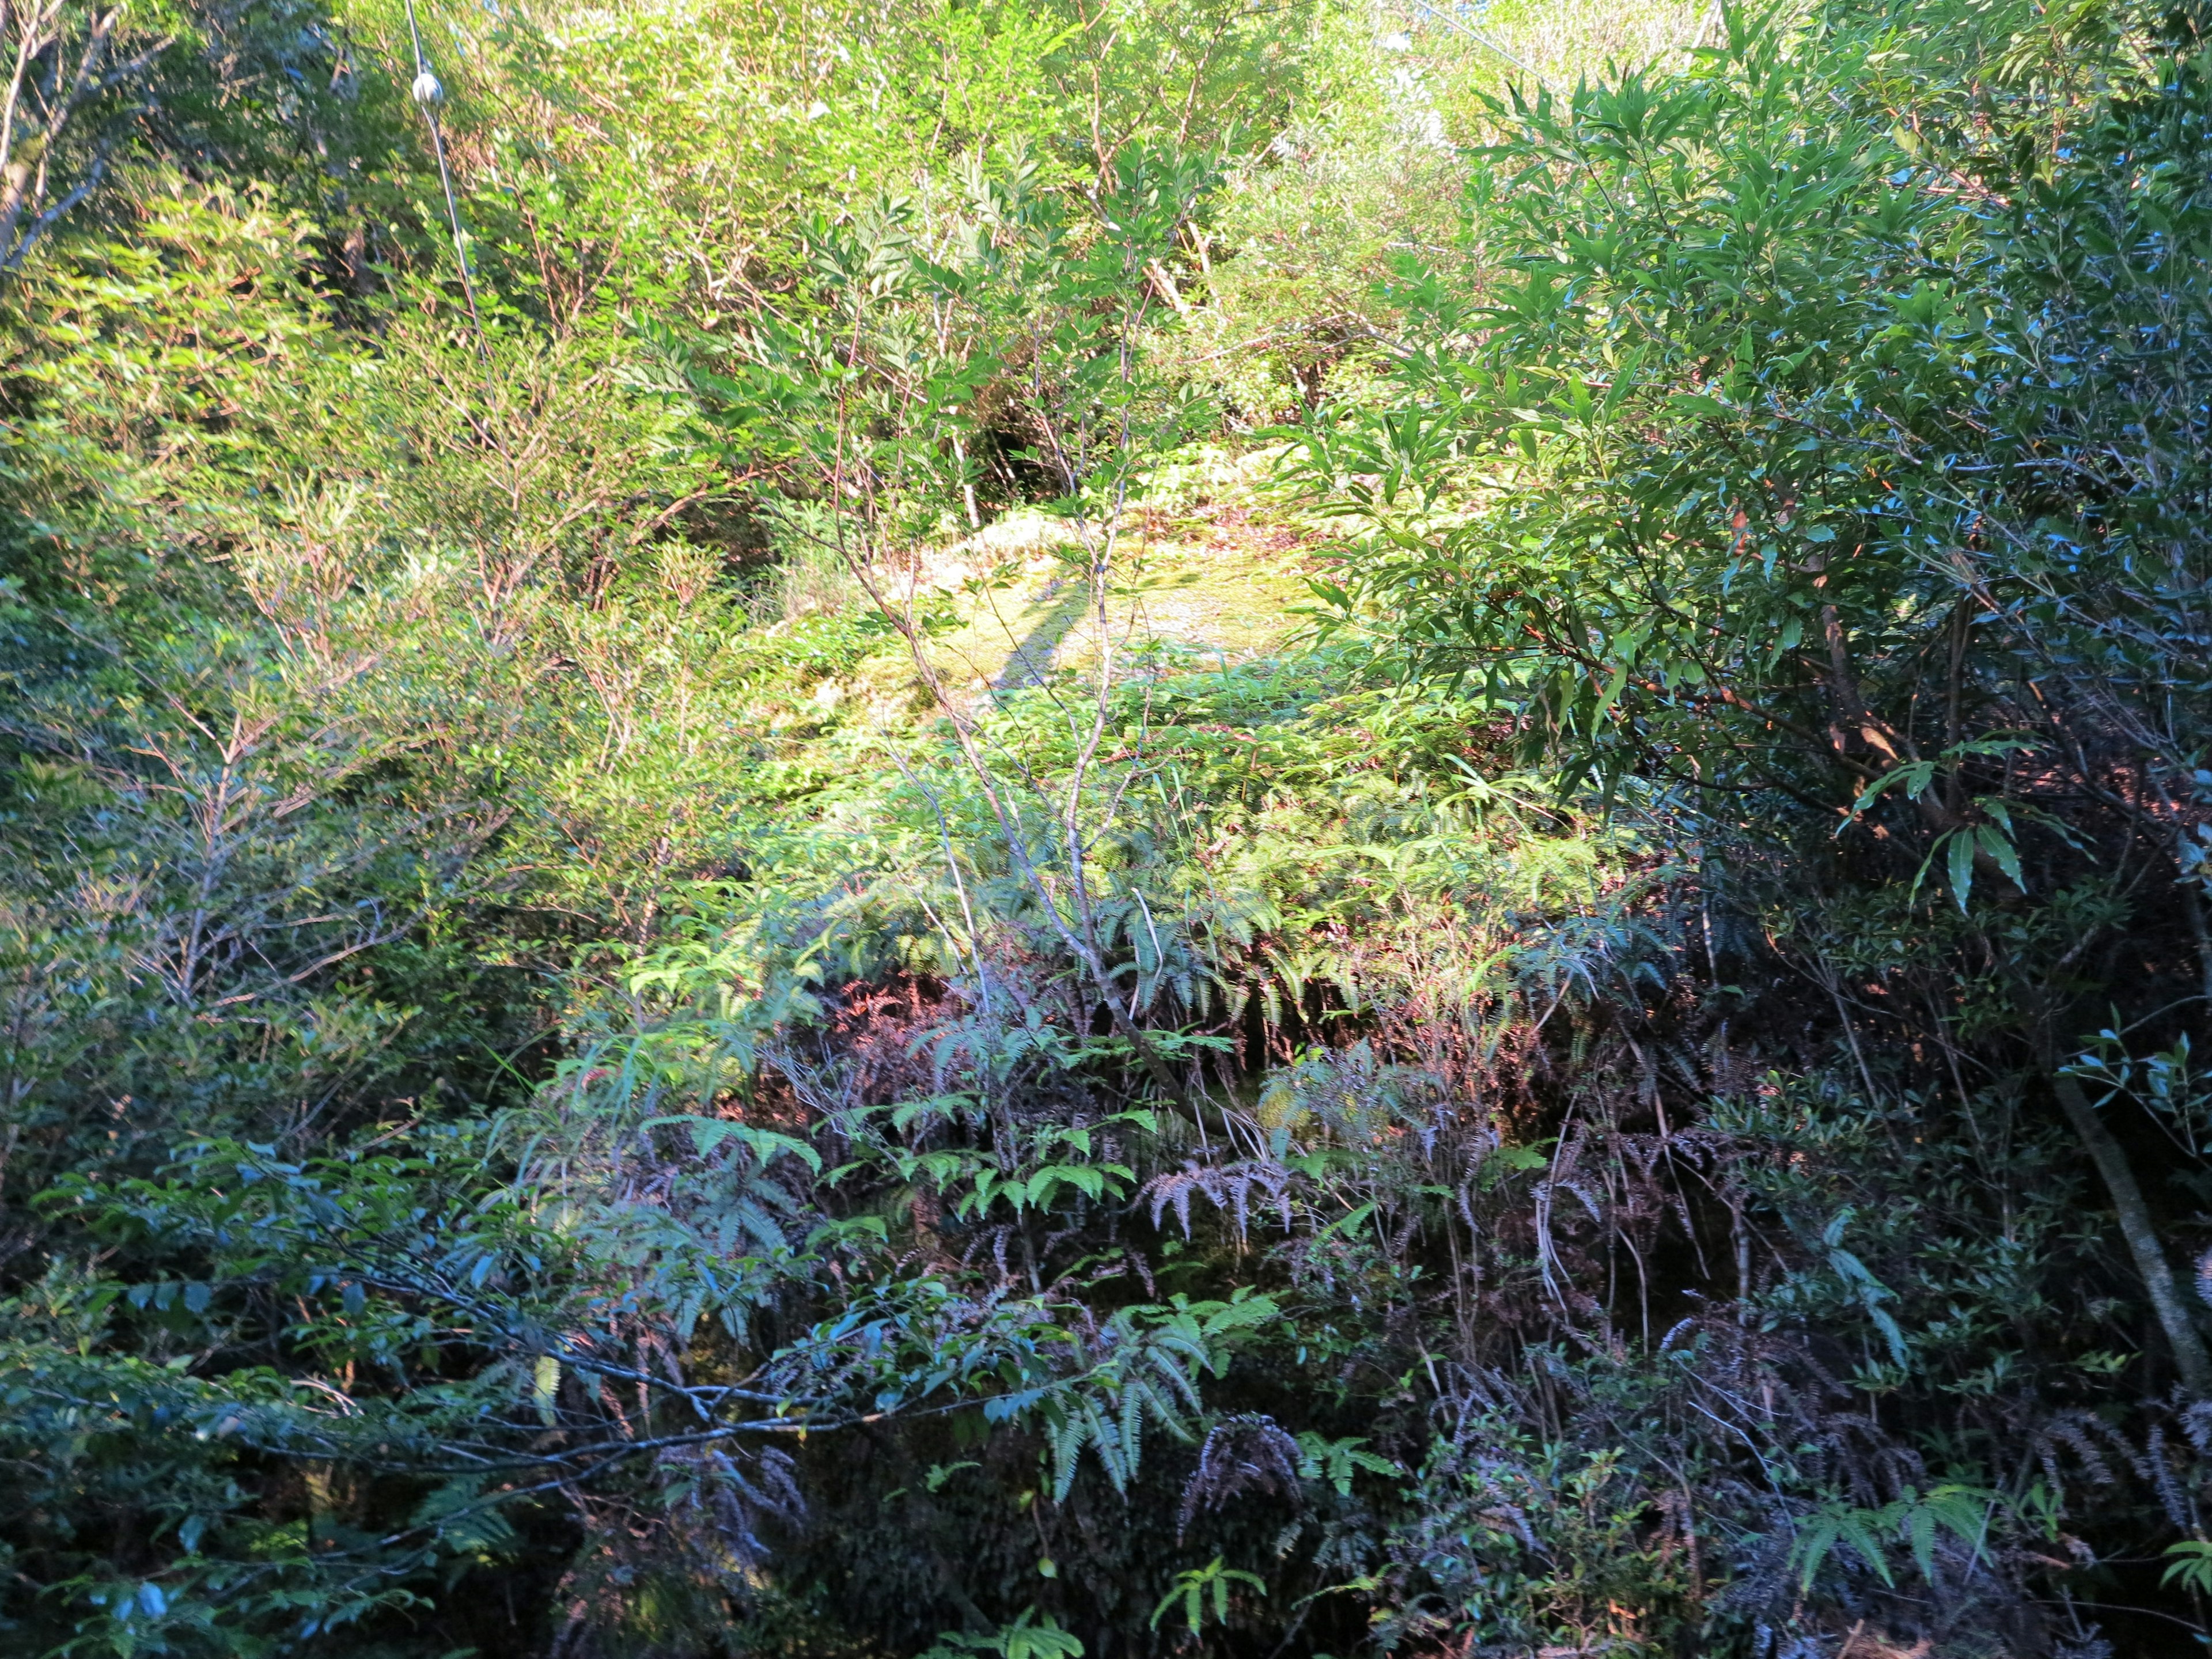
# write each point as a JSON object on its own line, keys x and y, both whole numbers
{"x": 2111, "y": 1159}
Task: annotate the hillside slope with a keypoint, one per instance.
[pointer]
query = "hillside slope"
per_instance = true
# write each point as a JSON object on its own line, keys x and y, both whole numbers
{"x": 1076, "y": 830}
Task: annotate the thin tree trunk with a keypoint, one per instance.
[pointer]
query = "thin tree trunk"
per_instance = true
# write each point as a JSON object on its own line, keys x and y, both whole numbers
{"x": 2111, "y": 1161}
{"x": 14, "y": 191}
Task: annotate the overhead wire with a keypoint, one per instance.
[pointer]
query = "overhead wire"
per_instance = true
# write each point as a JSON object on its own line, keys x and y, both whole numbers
{"x": 427, "y": 93}
{"x": 1475, "y": 35}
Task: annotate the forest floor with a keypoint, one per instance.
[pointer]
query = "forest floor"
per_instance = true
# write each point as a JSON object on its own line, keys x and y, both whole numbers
{"x": 1216, "y": 576}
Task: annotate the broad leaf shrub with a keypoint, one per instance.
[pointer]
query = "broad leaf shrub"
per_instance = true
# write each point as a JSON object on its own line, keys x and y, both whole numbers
{"x": 1822, "y": 455}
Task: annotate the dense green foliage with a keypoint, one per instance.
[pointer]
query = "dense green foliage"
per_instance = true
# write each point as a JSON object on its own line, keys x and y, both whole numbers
{"x": 584, "y": 1072}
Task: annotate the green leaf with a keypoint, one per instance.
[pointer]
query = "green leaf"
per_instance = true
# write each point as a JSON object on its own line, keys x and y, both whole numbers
{"x": 2190, "y": 1565}
{"x": 1960, "y": 851}
{"x": 1994, "y": 841}
{"x": 708, "y": 1132}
